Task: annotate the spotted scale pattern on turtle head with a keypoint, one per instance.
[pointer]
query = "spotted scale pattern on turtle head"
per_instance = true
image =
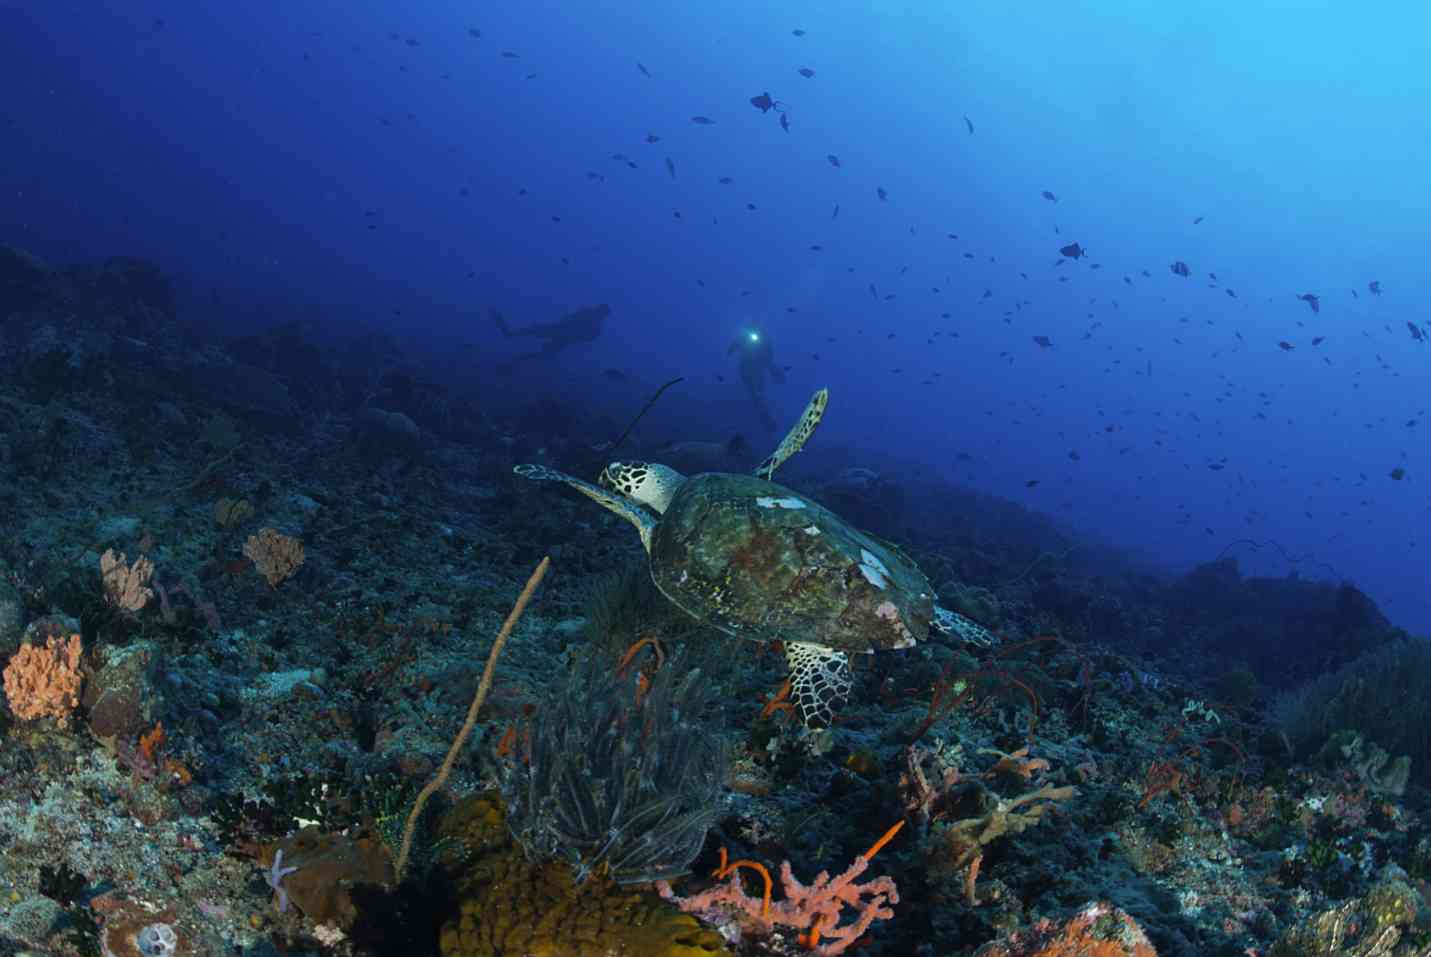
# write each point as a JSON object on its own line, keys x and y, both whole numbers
{"x": 649, "y": 483}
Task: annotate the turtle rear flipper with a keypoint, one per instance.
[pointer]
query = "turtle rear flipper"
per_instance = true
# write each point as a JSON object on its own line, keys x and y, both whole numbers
{"x": 796, "y": 438}
{"x": 644, "y": 521}
{"x": 948, "y": 622}
{"x": 820, "y": 681}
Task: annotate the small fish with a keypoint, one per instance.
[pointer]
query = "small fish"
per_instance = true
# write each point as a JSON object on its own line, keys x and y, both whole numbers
{"x": 880, "y": 192}
{"x": 508, "y": 54}
{"x": 806, "y": 72}
{"x": 1044, "y": 342}
{"x": 834, "y": 160}
{"x": 797, "y": 32}
{"x": 1216, "y": 466}
{"x": 1374, "y": 287}
{"x": 671, "y": 167}
{"x": 763, "y": 102}
{"x": 1230, "y": 293}
{"x": 615, "y": 375}
{"x": 642, "y": 67}
{"x": 1285, "y": 346}
{"x": 703, "y": 121}
{"x": 1318, "y": 340}
{"x": 725, "y": 181}
{"x": 750, "y": 206}
{"x": 836, "y": 213}
{"x": 652, "y": 138}
{"x": 1312, "y": 300}
{"x": 1049, "y": 196}
{"x": 1072, "y": 251}
{"x": 474, "y": 33}
{"x": 969, "y": 123}
{"x": 1398, "y": 473}
{"x": 785, "y": 122}
{"x": 1180, "y": 268}
{"x": 873, "y": 293}
{"x": 1415, "y": 331}
{"x": 1031, "y": 483}
{"x": 1196, "y": 221}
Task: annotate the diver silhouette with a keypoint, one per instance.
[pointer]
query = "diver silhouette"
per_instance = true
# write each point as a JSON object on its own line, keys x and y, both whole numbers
{"x": 757, "y": 358}
{"x": 584, "y": 325}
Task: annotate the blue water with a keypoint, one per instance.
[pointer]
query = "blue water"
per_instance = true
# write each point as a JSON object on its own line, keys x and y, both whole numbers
{"x": 382, "y": 164}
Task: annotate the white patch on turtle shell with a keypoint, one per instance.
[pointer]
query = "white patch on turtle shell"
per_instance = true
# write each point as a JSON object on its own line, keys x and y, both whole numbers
{"x": 811, "y": 530}
{"x": 889, "y": 612}
{"x": 873, "y": 569}
{"x": 769, "y": 501}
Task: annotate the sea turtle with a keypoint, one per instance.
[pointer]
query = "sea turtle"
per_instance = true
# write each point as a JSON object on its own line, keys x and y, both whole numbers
{"x": 761, "y": 561}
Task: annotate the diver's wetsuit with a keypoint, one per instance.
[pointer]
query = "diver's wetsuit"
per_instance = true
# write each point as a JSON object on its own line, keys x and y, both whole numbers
{"x": 584, "y": 325}
{"x": 757, "y": 358}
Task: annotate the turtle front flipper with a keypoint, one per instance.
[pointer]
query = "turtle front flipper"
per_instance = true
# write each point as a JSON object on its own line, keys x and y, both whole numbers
{"x": 796, "y": 438}
{"x": 644, "y": 521}
{"x": 820, "y": 681}
{"x": 948, "y": 622}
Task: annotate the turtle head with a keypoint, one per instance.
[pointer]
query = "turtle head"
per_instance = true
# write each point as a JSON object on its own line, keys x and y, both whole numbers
{"x": 649, "y": 483}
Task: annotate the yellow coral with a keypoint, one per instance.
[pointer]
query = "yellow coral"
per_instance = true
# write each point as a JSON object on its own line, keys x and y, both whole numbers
{"x": 509, "y": 905}
{"x": 276, "y": 556}
{"x": 45, "y": 682}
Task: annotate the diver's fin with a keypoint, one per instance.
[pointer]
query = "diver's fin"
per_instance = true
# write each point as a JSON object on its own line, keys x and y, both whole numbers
{"x": 501, "y": 322}
{"x": 796, "y": 438}
{"x": 820, "y": 681}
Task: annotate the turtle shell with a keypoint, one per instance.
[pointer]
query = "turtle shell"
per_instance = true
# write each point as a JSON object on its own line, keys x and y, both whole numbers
{"x": 761, "y": 561}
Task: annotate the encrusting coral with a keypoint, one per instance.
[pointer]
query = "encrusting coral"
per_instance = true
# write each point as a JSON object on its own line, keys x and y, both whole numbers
{"x": 45, "y": 682}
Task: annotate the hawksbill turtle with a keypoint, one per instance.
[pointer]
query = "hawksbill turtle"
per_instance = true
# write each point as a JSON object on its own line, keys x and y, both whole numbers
{"x": 761, "y": 561}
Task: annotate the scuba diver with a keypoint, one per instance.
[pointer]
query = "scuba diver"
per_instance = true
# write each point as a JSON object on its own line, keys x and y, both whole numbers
{"x": 584, "y": 325}
{"x": 757, "y": 358}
